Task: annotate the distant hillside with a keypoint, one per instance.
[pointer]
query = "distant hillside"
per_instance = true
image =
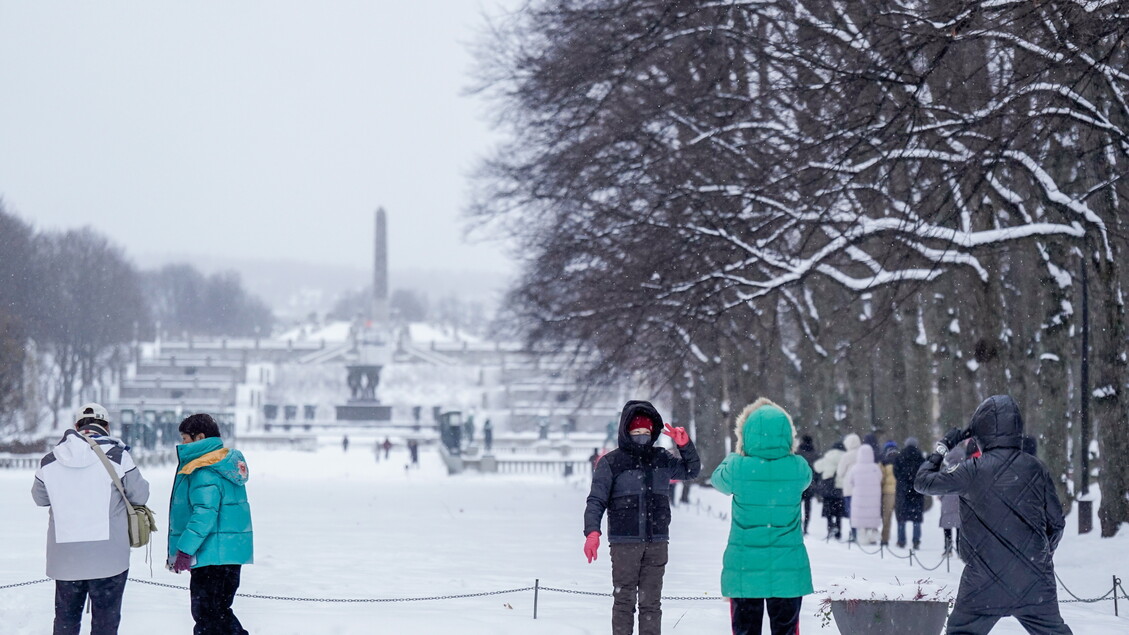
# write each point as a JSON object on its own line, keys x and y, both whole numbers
{"x": 294, "y": 289}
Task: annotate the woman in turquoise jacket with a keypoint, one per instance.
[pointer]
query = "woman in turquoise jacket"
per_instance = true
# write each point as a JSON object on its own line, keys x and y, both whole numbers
{"x": 765, "y": 562}
{"x": 210, "y": 523}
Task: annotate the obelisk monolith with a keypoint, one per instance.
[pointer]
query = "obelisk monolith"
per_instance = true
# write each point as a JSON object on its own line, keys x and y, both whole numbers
{"x": 380, "y": 272}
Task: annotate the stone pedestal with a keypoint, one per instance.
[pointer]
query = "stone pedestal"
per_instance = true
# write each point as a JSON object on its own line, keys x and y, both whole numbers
{"x": 364, "y": 406}
{"x": 364, "y": 411}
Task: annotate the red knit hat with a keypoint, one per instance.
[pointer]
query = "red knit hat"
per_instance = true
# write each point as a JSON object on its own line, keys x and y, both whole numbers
{"x": 640, "y": 423}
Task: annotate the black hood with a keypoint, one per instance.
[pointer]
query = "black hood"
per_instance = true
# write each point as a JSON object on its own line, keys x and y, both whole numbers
{"x": 997, "y": 423}
{"x": 631, "y": 410}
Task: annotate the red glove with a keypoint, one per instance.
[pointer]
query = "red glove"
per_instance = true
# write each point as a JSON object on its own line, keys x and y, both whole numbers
{"x": 183, "y": 562}
{"x": 680, "y": 436}
{"x": 592, "y": 545}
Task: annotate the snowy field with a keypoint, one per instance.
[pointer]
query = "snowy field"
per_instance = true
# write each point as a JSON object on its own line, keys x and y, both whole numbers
{"x": 330, "y": 524}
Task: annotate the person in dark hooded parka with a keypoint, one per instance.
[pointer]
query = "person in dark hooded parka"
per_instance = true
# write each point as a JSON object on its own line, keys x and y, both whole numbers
{"x": 909, "y": 504}
{"x": 1011, "y": 522}
{"x": 633, "y": 483}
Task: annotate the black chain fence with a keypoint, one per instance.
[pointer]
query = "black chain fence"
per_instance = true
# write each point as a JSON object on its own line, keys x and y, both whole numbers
{"x": 712, "y": 598}
{"x": 1112, "y": 594}
{"x": 289, "y": 598}
{"x": 28, "y": 583}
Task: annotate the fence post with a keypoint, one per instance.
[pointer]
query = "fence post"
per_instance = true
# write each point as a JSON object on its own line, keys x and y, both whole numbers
{"x": 1116, "y": 583}
{"x": 536, "y": 588}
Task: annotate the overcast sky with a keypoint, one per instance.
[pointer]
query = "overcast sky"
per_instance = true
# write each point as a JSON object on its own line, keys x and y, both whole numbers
{"x": 251, "y": 129}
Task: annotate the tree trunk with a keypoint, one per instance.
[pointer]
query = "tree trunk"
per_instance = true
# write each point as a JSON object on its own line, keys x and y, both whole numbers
{"x": 710, "y": 422}
{"x": 1110, "y": 405}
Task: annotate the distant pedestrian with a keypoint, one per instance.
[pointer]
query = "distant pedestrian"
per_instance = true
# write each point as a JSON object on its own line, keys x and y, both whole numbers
{"x": 468, "y": 429}
{"x": 871, "y": 439}
{"x": 87, "y": 537}
{"x": 488, "y": 435}
{"x": 909, "y": 504}
{"x": 806, "y": 450}
{"x": 949, "y": 520}
{"x": 413, "y": 451}
{"x": 889, "y": 488}
{"x": 826, "y": 468}
{"x": 1011, "y": 521}
{"x": 210, "y": 524}
{"x": 594, "y": 458}
{"x": 633, "y": 484}
{"x": 387, "y": 445}
{"x": 765, "y": 567}
{"x": 865, "y": 479}
{"x": 345, "y": 443}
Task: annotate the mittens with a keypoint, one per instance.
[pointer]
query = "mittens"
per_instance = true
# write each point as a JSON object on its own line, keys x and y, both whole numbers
{"x": 183, "y": 562}
{"x": 592, "y": 545}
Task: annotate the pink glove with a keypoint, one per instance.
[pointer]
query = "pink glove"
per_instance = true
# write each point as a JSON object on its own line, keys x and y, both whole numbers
{"x": 183, "y": 562}
{"x": 680, "y": 436}
{"x": 592, "y": 545}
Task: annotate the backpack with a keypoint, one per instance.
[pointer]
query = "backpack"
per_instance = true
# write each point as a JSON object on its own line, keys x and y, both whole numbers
{"x": 141, "y": 520}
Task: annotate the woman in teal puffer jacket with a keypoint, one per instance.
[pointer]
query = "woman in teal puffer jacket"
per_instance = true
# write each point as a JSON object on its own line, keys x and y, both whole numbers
{"x": 765, "y": 562}
{"x": 210, "y": 523}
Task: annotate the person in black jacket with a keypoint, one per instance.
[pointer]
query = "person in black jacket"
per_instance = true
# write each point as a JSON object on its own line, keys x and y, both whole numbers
{"x": 1011, "y": 523}
{"x": 807, "y": 451}
{"x": 909, "y": 505}
{"x": 633, "y": 484}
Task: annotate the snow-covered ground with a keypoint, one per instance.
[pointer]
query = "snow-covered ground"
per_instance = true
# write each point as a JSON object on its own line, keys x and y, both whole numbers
{"x": 330, "y": 524}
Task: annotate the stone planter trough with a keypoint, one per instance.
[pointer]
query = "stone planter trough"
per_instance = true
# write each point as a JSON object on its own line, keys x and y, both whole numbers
{"x": 889, "y": 617}
{"x": 897, "y": 607}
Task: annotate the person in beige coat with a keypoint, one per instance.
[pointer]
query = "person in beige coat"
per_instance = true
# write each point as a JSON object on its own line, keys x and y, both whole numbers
{"x": 889, "y": 488}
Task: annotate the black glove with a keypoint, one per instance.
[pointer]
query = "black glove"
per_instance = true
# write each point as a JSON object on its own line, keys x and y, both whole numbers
{"x": 952, "y": 438}
{"x": 931, "y": 464}
{"x": 936, "y": 458}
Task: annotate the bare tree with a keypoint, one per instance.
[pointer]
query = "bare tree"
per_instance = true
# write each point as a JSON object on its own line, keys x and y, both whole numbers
{"x": 699, "y": 188}
{"x": 15, "y": 292}
{"x": 88, "y": 303}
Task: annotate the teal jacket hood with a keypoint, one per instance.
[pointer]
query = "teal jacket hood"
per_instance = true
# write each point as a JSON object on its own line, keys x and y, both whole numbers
{"x": 764, "y": 430}
{"x": 210, "y": 454}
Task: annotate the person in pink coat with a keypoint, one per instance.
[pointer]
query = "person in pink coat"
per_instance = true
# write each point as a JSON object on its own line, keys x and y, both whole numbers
{"x": 865, "y": 478}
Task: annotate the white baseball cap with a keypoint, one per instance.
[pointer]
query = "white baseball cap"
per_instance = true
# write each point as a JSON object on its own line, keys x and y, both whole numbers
{"x": 92, "y": 411}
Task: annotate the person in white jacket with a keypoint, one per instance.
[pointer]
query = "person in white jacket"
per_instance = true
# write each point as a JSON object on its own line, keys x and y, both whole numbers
{"x": 87, "y": 537}
{"x": 852, "y": 443}
{"x": 865, "y": 481}
{"x": 830, "y": 495}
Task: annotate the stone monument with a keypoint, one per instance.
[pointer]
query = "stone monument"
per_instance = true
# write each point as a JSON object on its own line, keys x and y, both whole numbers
{"x": 370, "y": 336}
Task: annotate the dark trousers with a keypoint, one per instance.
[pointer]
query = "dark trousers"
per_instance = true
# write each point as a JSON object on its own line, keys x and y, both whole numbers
{"x": 1038, "y": 620}
{"x": 902, "y": 533}
{"x": 213, "y": 590}
{"x": 637, "y": 575}
{"x": 747, "y": 614}
{"x": 949, "y": 539}
{"x": 105, "y": 604}
{"x": 834, "y": 527}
